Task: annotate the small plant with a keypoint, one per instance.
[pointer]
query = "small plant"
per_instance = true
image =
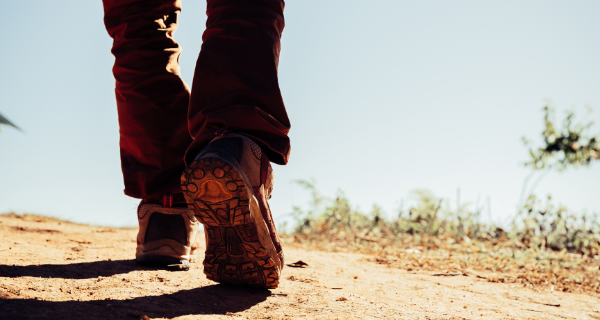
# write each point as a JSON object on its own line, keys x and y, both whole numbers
{"x": 573, "y": 145}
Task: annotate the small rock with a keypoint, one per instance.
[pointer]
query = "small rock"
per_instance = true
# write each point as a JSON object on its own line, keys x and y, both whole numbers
{"x": 298, "y": 264}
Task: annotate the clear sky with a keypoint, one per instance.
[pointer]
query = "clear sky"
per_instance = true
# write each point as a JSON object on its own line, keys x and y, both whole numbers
{"x": 385, "y": 96}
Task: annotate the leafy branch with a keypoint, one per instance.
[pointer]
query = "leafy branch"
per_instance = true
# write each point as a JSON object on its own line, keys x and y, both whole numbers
{"x": 571, "y": 146}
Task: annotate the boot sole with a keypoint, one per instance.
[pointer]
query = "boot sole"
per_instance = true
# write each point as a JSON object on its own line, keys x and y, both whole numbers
{"x": 239, "y": 250}
{"x": 162, "y": 254}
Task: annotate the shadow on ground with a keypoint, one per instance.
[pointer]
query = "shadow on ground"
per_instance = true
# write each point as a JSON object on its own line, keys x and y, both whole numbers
{"x": 213, "y": 299}
{"x": 83, "y": 270}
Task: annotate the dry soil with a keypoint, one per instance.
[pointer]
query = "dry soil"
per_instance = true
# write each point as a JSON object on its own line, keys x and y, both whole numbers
{"x": 51, "y": 269}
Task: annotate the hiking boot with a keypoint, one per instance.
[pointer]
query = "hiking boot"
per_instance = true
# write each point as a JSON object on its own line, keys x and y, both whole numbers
{"x": 167, "y": 234}
{"x": 228, "y": 185}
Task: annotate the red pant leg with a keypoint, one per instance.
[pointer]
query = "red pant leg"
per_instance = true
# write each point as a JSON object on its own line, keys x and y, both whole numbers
{"x": 152, "y": 99}
{"x": 235, "y": 82}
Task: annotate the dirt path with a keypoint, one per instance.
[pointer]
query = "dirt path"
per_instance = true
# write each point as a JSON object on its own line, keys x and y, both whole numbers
{"x": 58, "y": 270}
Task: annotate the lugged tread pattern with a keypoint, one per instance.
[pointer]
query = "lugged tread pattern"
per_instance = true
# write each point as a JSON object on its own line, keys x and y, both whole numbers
{"x": 234, "y": 255}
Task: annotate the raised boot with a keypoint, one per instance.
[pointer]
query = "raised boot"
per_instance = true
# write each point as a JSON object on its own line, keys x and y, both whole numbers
{"x": 227, "y": 186}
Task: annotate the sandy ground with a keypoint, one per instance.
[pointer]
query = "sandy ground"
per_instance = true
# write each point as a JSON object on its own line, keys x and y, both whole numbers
{"x": 58, "y": 270}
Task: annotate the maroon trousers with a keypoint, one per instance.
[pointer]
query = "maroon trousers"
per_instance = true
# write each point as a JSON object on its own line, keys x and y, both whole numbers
{"x": 162, "y": 122}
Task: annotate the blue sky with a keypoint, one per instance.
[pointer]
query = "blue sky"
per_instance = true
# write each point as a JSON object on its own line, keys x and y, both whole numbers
{"x": 384, "y": 97}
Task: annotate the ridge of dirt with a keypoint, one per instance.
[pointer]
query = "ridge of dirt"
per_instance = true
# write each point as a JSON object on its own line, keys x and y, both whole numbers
{"x": 52, "y": 269}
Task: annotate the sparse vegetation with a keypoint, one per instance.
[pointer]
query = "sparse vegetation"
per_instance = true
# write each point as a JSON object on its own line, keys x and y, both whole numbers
{"x": 542, "y": 225}
{"x": 548, "y": 246}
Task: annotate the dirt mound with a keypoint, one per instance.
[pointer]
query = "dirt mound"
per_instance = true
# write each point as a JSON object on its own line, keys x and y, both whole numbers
{"x": 51, "y": 269}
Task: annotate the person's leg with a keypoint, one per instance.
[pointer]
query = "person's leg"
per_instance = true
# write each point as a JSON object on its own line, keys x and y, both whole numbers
{"x": 235, "y": 83}
{"x": 152, "y": 102}
{"x": 239, "y": 123}
{"x": 152, "y": 99}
